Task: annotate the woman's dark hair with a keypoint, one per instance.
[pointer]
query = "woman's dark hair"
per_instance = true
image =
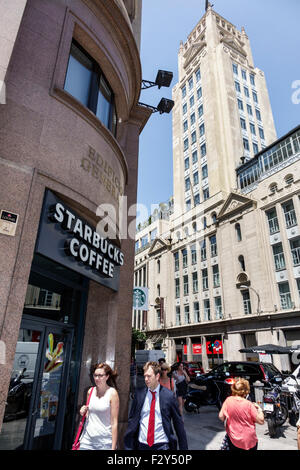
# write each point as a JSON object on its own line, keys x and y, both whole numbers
{"x": 111, "y": 381}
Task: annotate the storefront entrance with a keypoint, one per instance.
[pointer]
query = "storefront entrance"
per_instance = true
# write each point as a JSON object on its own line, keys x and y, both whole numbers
{"x": 40, "y": 410}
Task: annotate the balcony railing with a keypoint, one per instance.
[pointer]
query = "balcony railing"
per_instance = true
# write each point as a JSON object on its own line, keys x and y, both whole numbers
{"x": 290, "y": 218}
{"x": 273, "y": 225}
{"x": 279, "y": 261}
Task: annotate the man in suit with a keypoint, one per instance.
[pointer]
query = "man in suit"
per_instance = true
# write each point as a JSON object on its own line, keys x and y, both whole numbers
{"x": 152, "y": 413}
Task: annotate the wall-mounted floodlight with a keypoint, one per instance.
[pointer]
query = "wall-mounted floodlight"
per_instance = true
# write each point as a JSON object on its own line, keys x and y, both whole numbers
{"x": 163, "y": 78}
{"x": 164, "y": 106}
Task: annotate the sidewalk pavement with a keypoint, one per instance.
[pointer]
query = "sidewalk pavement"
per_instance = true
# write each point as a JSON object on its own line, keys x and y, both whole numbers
{"x": 205, "y": 432}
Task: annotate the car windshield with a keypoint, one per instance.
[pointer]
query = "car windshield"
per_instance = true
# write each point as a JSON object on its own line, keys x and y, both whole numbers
{"x": 271, "y": 370}
{"x": 194, "y": 365}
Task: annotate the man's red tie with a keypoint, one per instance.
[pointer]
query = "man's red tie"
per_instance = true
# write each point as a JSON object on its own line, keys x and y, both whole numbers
{"x": 151, "y": 425}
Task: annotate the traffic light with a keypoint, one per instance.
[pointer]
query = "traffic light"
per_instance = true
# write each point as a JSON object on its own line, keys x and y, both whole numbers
{"x": 211, "y": 347}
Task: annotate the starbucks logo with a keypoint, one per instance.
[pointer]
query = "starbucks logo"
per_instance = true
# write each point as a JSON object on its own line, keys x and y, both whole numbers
{"x": 139, "y": 298}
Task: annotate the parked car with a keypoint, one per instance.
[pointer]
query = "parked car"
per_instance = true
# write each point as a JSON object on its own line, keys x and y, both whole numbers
{"x": 224, "y": 374}
{"x": 192, "y": 368}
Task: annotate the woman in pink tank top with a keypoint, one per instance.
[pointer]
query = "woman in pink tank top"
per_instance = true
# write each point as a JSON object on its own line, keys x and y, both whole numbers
{"x": 241, "y": 415}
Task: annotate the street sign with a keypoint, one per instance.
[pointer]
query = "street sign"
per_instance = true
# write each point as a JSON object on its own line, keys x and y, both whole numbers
{"x": 140, "y": 298}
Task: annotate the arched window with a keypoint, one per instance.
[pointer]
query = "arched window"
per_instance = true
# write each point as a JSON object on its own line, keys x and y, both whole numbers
{"x": 238, "y": 232}
{"x": 204, "y": 222}
{"x": 214, "y": 217}
{"x": 273, "y": 188}
{"x": 242, "y": 262}
{"x": 289, "y": 179}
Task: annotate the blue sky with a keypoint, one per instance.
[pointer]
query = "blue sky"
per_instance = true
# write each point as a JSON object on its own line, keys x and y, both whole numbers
{"x": 273, "y": 29}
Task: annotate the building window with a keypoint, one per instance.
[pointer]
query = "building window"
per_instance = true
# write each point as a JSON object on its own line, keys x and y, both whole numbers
{"x": 298, "y": 286}
{"x": 185, "y": 126}
{"x": 196, "y": 312}
{"x": 203, "y": 150}
{"x": 289, "y": 179}
{"x": 195, "y": 282}
{"x": 254, "y": 94}
{"x": 206, "y": 305}
{"x": 235, "y": 69}
{"x": 193, "y": 119}
{"x": 185, "y": 285}
{"x": 255, "y": 148}
{"x": 258, "y": 115}
{"x": 186, "y": 163}
{"x": 202, "y": 129}
{"x": 213, "y": 246}
{"x": 194, "y": 137}
{"x": 238, "y": 232}
{"x": 186, "y": 314}
{"x": 184, "y": 108}
{"x": 252, "y": 79}
{"x": 237, "y": 86}
{"x": 87, "y": 83}
{"x": 204, "y": 171}
{"x": 246, "y": 144}
{"x": 184, "y": 258}
{"x": 153, "y": 234}
{"x": 244, "y": 74}
{"x": 203, "y": 250}
{"x": 177, "y": 288}
{"x": 158, "y": 290}
{"x": 216, "y": 276}
{"x": 176, "y": 261}
{"x": 295, "y": 250}
{"x": 285, "y": 295}
{"x": 177, "y": 313}
{"x": 199, "y": 93}
{"x": 197, "y": 199}
{"x": 191, "y": 83}
{"x": 249, "y": 110}
{"x": 290, "y": 215}
{"x": 218, "y": 308}
{"x": 158, "y": 266}
{"x": 242, "y": 263}
{"x": 204, "y": 279}
{"x": 252, "y": 129}
{"x": 185, "y": 144}
{"x": 205, "y": 193}
{"x": 144, "y": 240}
{"x": 192, "y": 101}
{"x": 194, "y": 254}
{"x": 198, "y": 75}
{"x": 183, "y": 91}
{"x": 196, "y": 177}
{"x": 246, "y": 91}
{"x": 261, "y": 133}
{"x": 137, "y": 245}
{"x": 187, "y": 183}
{"x": 188, "y": 205}
{"x": 246, "y": 302}
{"x": 240, "y": 105}
{"x": 273, "y": 221}
{"x": 200, "y": 111}
{"x": 194, "y": 156}
{"x": 278, "y": 257}
{"x": 243, "y": 124}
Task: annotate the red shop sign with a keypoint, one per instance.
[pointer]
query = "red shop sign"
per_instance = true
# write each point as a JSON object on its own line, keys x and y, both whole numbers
{"x": 197, "y": 349}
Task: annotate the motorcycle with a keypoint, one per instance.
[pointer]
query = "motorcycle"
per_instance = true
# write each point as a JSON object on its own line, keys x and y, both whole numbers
{"x": 275, "y": 409}
{"x": 204, "y": 391}
{"x": 18, "y": 398}
{"x": 291, "y": 392}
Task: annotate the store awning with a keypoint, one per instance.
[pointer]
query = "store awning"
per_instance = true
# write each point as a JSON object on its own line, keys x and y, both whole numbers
{"x": 269, "y": 349}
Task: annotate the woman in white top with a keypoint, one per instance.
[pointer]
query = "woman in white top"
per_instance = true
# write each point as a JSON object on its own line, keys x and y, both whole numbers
{"x": 101, "y": 425}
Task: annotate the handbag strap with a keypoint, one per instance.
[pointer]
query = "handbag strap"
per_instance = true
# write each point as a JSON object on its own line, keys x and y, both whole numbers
{"x": 83, "y": 418}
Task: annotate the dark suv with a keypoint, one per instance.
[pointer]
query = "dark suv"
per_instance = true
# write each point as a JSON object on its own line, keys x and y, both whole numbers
{"x": 224, "y": 374}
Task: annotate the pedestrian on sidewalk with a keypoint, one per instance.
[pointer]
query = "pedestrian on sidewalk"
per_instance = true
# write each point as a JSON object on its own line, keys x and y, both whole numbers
{"x": 153, "y": 411}
{"x": 298, "y": 432}
{"x": 181, "y": 379}
{"x": 165, "y": 380}
{"x": 101, "y": 426}
{"x": 241, "y": 415}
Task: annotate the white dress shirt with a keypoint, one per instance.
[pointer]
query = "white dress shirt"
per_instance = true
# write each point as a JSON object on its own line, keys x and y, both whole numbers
{"x": 159, "y": 433}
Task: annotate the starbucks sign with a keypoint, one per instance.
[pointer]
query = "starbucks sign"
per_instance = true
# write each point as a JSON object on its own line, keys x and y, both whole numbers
{"x": 140, "y": 298}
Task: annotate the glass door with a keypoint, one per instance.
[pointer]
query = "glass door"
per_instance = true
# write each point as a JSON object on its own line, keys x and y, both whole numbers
{"x": 36, "y": 401}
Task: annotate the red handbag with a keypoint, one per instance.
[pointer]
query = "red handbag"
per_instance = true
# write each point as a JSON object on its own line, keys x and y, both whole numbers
{"x": 76, "y": 443}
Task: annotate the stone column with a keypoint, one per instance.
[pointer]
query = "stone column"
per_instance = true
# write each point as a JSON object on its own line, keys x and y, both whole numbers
{"x": 204, "y": 355}
{"x": 189, "y": 349}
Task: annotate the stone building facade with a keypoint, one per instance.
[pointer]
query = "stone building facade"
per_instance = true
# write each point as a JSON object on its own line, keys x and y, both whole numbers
{"x": 229, "y": 251}
{"x": 69, "y": 143}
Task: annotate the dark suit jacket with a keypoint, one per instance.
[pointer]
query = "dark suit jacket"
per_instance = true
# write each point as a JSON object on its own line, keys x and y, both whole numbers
{"x": 169, "y": 412}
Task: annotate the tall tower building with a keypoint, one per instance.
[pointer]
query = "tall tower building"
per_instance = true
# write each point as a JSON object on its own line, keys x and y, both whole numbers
{"x": 224, "y": 268}
{"x": 222, "y": 111}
